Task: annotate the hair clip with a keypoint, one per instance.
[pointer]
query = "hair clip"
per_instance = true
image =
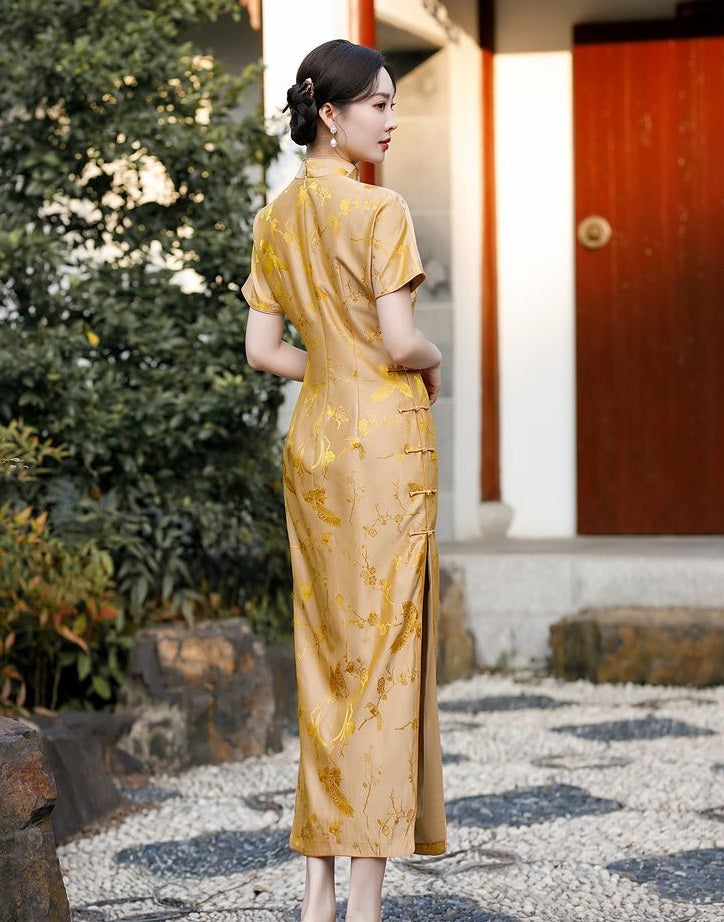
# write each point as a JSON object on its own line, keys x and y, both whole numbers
{"x": 306, "y": 88}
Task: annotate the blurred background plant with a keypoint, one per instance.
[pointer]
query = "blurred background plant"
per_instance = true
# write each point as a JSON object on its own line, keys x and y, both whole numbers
{"x": 61, "y": 627}
{"x": 129, "y": 187}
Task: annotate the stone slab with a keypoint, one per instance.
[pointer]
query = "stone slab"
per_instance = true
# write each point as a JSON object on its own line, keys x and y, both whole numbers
{"x": 656, "y": 646}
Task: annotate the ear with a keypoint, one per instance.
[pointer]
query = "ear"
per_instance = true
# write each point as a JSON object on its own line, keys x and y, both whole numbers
{"x": 328, "y": 113}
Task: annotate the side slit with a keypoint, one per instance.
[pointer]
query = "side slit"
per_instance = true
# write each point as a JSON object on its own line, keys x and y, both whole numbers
{"x": 423, "y": 680}
{"x": 430, "y": 823}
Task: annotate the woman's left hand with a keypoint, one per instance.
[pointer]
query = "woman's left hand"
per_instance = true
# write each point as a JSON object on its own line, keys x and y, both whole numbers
{"x": 431, "y": 379}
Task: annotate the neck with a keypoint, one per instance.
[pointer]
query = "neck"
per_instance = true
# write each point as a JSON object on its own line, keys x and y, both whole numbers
{"x": 325, "y": 152}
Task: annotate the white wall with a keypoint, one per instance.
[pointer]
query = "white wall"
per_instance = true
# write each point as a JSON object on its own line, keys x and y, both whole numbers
{"x": 466, "y": 141}
{"x": 535, "y": 291}
{"x": 534, "y": 163}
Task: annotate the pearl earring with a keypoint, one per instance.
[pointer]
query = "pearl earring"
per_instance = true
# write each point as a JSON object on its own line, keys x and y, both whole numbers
{"x": 333, "y": 141}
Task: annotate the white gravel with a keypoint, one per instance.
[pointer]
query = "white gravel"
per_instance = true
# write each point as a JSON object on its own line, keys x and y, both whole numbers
{"x": 558, "y": 871}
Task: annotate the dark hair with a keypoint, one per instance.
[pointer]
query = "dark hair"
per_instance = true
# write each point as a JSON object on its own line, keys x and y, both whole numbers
{"x": 341, "y": 73}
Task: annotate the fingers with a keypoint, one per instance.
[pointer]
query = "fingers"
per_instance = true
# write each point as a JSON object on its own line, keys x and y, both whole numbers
{"x": 432, "y": 380}
{"x": 433, "y": 393}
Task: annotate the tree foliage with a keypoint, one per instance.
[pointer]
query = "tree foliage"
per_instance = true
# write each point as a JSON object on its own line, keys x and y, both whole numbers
{"x": 129, "y": 185}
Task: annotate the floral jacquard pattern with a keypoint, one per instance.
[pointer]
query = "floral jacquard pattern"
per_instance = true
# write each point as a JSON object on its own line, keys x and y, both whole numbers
{"x": 360, "y": 488}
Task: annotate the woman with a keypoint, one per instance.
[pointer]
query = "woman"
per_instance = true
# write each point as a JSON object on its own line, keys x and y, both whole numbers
{"x": 338, "y": 258}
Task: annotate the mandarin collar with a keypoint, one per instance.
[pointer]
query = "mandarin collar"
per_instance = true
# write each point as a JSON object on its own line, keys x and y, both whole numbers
{"x": 315, "y": 167}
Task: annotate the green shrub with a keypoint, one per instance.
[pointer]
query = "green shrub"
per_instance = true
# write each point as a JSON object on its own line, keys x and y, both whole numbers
{"x": 60, "y": 625}
{"x": 128, "y": 190}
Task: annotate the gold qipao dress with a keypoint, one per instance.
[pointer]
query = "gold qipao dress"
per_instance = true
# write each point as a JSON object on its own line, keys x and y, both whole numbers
{"x": 360, "y": 490}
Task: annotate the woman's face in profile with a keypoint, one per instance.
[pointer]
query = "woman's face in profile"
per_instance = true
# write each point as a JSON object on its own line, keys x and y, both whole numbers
{"x": 365, "y": 126}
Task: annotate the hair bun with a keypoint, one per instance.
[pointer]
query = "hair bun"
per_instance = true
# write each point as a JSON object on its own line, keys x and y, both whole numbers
{"x": 303, "y": 109}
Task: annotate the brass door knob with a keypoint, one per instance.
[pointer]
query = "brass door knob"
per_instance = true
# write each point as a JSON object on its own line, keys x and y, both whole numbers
{"x": 594, "y": 232}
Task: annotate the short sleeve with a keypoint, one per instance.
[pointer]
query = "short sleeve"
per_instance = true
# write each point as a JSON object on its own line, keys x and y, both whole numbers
{"x": 395, "y": 258}
{"x": 256, "y": 289}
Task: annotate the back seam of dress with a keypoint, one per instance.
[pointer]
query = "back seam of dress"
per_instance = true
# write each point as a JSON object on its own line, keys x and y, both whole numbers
{"x": 354, "y": 345}
{"x": 317, "y": 440}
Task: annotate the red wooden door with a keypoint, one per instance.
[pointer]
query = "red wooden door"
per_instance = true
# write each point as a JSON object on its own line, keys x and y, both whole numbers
{"x": 649, "y": 149}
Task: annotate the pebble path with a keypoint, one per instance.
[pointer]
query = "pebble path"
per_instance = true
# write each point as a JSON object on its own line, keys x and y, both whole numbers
{"x": 566, "y": 801}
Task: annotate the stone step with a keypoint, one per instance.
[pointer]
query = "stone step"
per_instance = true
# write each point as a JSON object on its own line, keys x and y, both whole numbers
{"x": 514, "y": 589}
{"x": 656, "y": 646}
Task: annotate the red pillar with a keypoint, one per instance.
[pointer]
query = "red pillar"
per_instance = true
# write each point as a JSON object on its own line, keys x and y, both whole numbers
{"x": 366, "y": 30}
{"x": 366, "y": 35}
{"x": 490, "y": 397}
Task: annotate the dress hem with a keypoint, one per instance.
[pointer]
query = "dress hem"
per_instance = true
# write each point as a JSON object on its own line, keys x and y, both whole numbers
{"x": 325, "y": 850}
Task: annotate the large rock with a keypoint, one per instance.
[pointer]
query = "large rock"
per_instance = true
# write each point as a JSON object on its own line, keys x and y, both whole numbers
{"x": 659, "y": 646}
{"x": 209, "y": 694}
{"x": 80, "y": 748}
{"x": 31, "y": 886}
{"x": 456, "y": 648}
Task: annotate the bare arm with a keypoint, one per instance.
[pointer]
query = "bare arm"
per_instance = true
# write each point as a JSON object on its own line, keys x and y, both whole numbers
{"x": 267, "y": 351}
{"x": 405, "y": 344}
